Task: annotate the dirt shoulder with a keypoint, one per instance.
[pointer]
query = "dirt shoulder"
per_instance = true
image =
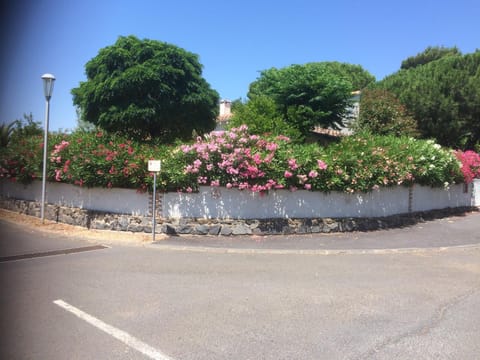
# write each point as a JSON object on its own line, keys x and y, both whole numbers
{"x": 104, "y": 236}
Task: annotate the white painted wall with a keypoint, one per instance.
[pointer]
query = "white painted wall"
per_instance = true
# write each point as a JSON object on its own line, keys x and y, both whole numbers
{"x": 115, "y": 200}
{"x": 225, "y": 203}
{"x": 427, "y": 198}
{"x": 235, "y": 204}
{"x": 476, "y": 192}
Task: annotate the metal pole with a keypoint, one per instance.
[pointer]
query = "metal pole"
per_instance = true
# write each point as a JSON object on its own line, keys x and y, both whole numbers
{"x": 45, "y": 150}
{"x": 154, "y": 205}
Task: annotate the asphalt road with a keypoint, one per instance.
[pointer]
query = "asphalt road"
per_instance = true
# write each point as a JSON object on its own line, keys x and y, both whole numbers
{"x": 267, "y": 298}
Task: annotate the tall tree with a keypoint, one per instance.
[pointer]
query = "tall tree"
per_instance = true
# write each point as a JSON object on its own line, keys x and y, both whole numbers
{"x": 309, "y": 95}
{"x": 444, "y": 97}
{"x": 428, "y": 55}
{"x": 146, "y": 89}
{"x": 355, "y": 74}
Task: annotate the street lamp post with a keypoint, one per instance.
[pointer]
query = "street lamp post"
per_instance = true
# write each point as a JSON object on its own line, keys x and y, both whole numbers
{"x": 48, "y": 80}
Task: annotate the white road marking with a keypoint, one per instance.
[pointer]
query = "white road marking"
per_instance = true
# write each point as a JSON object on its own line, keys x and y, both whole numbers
{"x": 118, "y": 334}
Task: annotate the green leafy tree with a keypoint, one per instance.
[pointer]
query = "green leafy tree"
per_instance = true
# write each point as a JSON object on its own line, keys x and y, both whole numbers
{"x": 25, "y": 128}
{"x": 428, "y": 55}
{"x": 306, "y": 95}
{"x": 355, "y": 74}
{"x": 262, "y": 117}
{"x": 444, "y": 97}
{"x": 146, "y": 89}
{"x": 381, "y": 113}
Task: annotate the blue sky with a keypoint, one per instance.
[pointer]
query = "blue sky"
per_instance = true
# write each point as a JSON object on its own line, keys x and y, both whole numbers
{"x": 235, "y": 40}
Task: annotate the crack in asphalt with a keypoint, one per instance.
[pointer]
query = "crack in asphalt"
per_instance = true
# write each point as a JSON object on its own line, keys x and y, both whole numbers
{"x": 51, "y": 253}
{"x": 424, "y": 328}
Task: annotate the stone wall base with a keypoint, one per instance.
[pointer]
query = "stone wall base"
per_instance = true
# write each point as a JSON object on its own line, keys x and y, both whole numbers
{"x": 122, "y": 222}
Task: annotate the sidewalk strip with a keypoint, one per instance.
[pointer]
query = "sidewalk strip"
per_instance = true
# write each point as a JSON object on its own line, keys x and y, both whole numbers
{"x": 118, "y": 334}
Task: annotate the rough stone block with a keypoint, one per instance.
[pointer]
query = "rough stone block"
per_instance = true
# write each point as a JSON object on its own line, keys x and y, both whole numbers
{"x": 135, "y": 228}
{"x": 201, "y": 229}
{"x": 214, "y": 230}
{"x": 241, "y": 229}
{"x": 184, "y": 229}
{"x": 168, "y": 229}
{"x": 226, "y": 231}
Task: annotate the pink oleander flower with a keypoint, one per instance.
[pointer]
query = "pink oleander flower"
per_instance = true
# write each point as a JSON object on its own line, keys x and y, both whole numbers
{"x": 271, "y": 146}
{"x": 66, "y": 165}
{"x": 185, "y": 148}
{"x": 268, "y": 158}
{"x": 302, "y": 178}
{"x": 308, "y": 187}
{"x": 321, "y": 165}
{"x": 292, "y": 163}
{"x": 212, "y": 147}
{"x": 229, "y": 186}
{"x": 283, "y": 138}
{"x": 243, "y": 186}
{"x": 60, "y": 147}
{"x": 58, "y": 175}
{"x": 287, "y": 174}
{"x": 313, "y": 174}
{"x": 470, "y": 164}
{"x": 258, "y": 188}
{"x": 215, "y": 183}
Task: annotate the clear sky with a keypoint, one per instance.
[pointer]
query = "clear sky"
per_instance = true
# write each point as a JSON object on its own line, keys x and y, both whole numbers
{"x": 234, "y": 39}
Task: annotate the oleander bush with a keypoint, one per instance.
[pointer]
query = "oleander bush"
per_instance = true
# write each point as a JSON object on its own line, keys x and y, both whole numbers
{"x": 239, "y": 159}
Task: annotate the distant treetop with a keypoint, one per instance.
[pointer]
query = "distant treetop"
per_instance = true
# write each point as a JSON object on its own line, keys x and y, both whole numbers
{"x": 428, "y": 55}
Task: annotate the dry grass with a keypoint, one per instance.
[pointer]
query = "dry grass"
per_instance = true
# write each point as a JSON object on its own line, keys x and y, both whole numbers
{"x": 104, "y": 236}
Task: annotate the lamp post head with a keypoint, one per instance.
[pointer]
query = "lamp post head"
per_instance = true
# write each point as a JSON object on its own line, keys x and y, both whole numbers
{"x": 48, "y": 80}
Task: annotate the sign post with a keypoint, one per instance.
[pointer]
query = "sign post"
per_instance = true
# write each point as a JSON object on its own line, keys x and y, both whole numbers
{"x": 154, "y": 166}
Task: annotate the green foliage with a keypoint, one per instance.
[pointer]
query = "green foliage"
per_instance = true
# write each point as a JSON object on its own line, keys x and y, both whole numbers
{"x": 6, "y": 131}
{"x": 261, "y": 116}
{"x": 366, "y": 161}
{"x": 98, "y": 159}
{"x": 444, "y": 97}
{"x": 19, "y": 129}
{"x": 238, "y": 159}
{"x": 26, "y": 127}
{"x": 21, "y": 160}
{"x": 358, "y": 77}
{"x": 146, "y": 89}
{"x": 428, "y": 55}
{"x": 306, "y": 95}
{"x": 382, "y": 114}
{"x": 358, "y": 163}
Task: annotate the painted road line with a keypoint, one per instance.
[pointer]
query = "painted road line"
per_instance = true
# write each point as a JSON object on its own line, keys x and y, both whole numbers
{"x": 118, "y": 334}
